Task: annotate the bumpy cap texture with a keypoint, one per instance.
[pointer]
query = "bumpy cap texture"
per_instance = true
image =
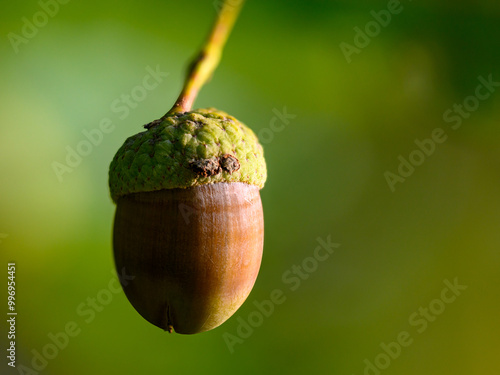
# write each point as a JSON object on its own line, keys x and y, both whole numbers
{"x": 182, "y": 150}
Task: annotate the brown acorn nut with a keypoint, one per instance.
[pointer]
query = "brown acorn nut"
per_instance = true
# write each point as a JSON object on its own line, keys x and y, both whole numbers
{"x": 195, "y": 252}
{"x": 193, "y": 238}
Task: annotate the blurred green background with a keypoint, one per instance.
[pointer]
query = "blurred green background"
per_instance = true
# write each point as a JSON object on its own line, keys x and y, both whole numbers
{"x": 326, "y": 178}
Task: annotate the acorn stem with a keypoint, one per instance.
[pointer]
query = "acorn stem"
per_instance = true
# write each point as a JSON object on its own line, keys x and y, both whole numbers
{"x": 202, "y": 67}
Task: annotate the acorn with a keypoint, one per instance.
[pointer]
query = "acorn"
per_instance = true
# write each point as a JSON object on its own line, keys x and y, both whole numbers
{"x": 189, "y": 222}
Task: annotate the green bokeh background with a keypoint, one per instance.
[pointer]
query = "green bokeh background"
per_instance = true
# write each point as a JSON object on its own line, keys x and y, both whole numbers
{"x": 326, "y": 178}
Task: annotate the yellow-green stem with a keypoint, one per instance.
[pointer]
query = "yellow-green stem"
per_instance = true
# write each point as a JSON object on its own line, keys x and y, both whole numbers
{"x": 203, "y": 66}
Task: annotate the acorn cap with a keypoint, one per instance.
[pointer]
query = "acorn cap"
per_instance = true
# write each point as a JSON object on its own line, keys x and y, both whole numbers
{"x": 183, "y": 150}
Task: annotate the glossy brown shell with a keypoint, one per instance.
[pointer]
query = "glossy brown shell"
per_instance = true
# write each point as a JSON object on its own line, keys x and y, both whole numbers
{"x": 195, "y": 253}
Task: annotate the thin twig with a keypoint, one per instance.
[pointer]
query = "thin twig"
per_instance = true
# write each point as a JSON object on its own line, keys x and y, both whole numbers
{"x": 203, "y": 66}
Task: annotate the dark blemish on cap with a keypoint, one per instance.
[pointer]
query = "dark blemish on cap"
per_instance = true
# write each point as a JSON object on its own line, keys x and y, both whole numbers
{"x": 152, "y": 124}
{"x": 205, "y": 167}
{"x": 229, "y": 163}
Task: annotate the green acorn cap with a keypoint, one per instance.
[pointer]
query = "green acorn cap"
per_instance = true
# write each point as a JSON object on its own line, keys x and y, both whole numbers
{"x": 188, "y": 149}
